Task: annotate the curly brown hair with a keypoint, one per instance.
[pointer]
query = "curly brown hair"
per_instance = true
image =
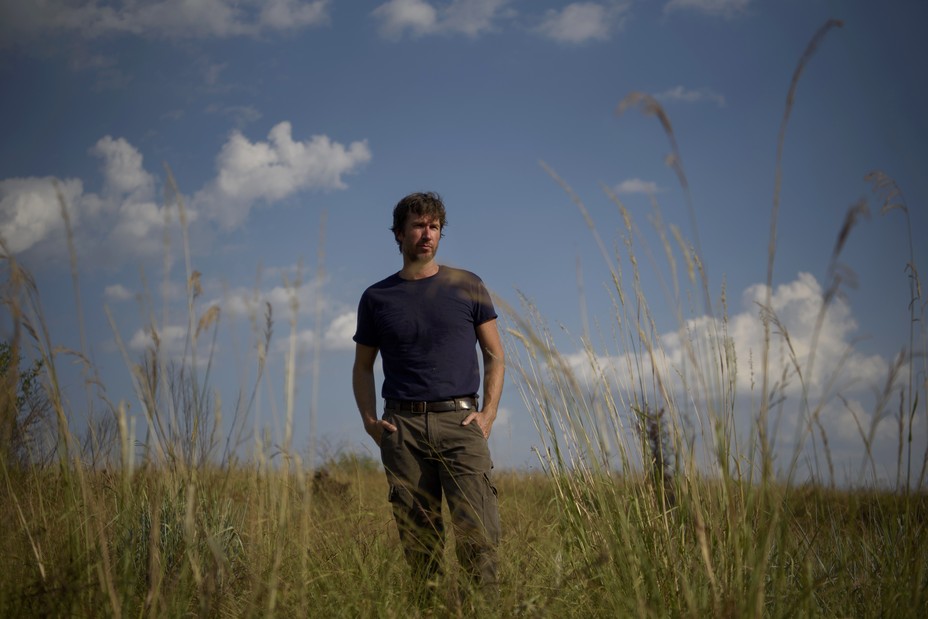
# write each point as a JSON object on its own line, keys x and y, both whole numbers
{"x": 428, "y": 203}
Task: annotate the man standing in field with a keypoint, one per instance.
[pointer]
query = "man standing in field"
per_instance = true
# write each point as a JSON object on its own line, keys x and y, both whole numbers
{"x": 425, "y": 321}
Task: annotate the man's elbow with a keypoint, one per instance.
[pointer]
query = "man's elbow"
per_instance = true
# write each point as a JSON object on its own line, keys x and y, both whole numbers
{"x": 361, "y": 370}
{"x": 494, "y": 359}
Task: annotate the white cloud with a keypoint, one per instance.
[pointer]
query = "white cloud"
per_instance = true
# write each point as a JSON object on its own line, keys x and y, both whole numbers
{"x": 243, "y": 302}
{"x": 126, "y": 219}
{"x": 696, "y": 350}
{"x": 636, "y": 185}
{"x": 123, "y": 174}
{"x": 117, "y": 292}
{"x": 582, "y": 21}
{"x": 419, "y": 17}
{"x": 686, "y": 95}
{"x": 260, "y": 172}
{"x": 723, "y": 8}
{"x": 125, "y": 214}
{"x": 341, "y": 331}
{"x": 336, "y": 336}
{"x": 31, "y": 211}
{"x": 796, "y": 305}
{"x": 398, "y": 16}
{"x": 305, "y": 299}
{"x": 159, "y": 18}
{"x": 139, "y": 228}
{"x": 293, "y": 14}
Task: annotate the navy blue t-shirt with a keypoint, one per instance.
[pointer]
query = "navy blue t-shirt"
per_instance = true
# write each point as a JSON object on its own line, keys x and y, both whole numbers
{"x": 425, "y": 330}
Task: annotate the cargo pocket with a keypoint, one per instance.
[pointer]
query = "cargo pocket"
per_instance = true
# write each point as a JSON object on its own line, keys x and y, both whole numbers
{"x": 489, "y": 481}
{"x": 491, "y": 510}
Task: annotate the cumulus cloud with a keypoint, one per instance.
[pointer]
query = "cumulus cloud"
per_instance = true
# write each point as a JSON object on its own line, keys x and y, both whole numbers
{"x": 250, "y": 173}
{"x": 125, "y": 212}
{"x": 125, "y": 217}
{"x": 31, "y": 210}
{"x": 336, "y": 336}
{"x": 636, "y": 185}
{"x": 722, "y": 8}
{"x": 303, "y": 298}
{"x": 138, "y": 229}
{"x": 796, "y": 334}
{"x": 341, "y": 331}
{"x": 581, "y": 22}
{"x": 835, "y": 388}
{"x": 797, "y": 338}
{"x": 297, "y": 300}
{"x": 688, "y": 95}
{"x": 122, "y": 216}
{"x": 159, "y": 18}
{"x": 123, "y": 172}
{"x": 419, "y": 17}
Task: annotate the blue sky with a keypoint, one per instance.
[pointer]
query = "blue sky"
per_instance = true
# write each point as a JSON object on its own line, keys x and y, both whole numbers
{"x": 292, "y": 128}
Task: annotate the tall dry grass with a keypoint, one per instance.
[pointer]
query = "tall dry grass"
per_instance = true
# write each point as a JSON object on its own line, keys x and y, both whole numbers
{"x": 666, "y": 501}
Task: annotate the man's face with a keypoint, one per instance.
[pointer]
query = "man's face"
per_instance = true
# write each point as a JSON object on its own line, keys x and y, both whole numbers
{"x": 419, "y": 237}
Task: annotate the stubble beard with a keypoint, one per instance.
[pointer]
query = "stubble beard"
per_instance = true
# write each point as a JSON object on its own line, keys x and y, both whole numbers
{"x": 414, "y": 254}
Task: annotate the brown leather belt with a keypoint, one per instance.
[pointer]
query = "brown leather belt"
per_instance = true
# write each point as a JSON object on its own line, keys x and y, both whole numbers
{"x": 438, "y": 406}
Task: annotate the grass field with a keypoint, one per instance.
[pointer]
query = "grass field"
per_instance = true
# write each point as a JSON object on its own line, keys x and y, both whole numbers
{"x": 251, "y": 543}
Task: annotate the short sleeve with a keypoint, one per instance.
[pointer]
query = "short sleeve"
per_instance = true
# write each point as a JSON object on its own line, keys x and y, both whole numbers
{"x": 483, "y": 303}
{"x": 366, "y": 331}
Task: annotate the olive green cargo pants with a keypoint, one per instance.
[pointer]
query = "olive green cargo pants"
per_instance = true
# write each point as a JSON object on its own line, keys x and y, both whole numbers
{"x": 431, "y": 455}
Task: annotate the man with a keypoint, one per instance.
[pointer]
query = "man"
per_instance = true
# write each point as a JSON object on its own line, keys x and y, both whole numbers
{"x": 426, "y": 321}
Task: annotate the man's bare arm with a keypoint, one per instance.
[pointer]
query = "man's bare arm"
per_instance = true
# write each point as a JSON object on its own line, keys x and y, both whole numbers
{"x": 494, "y": 370}
{"x": 365, "y": 392}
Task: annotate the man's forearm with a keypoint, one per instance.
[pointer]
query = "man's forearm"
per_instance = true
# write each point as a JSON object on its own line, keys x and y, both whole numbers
{"x": 365, "y": 394}
{"x": 494, "y": 373}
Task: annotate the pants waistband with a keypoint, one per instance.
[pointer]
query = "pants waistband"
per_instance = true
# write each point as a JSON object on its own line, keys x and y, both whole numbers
{"x": 437, "y": 406}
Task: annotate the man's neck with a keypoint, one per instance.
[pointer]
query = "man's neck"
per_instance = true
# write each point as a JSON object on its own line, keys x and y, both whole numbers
{"x": 418, "y": 270}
